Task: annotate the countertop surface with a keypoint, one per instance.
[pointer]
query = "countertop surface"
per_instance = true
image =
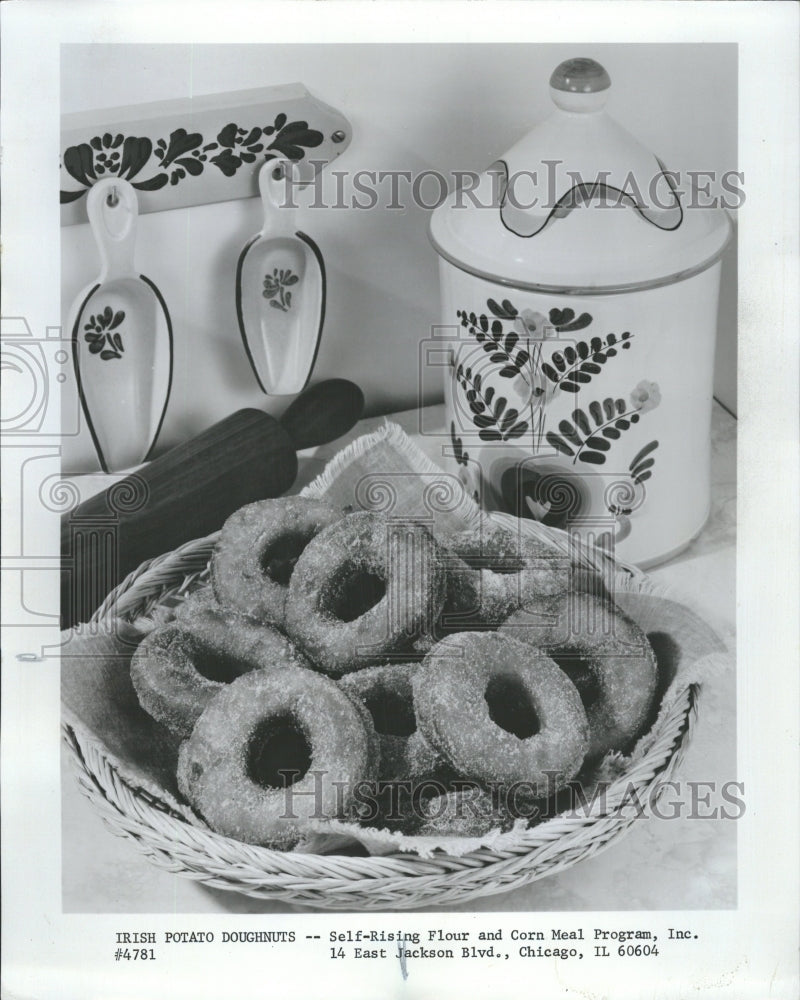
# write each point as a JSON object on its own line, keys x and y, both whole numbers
{"x": 685, "y": 863}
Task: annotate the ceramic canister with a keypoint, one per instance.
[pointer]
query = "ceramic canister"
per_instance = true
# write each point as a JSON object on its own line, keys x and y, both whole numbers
{"x": 579, "y": 293}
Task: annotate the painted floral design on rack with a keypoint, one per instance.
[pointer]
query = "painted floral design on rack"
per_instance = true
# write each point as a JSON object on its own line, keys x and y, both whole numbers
{"x": 278, "y": 284}
{"x": 102, "y": 335}
{"x": 184, "y": 153}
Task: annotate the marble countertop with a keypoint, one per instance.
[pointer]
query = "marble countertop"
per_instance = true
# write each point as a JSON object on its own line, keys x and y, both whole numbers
{"x": 678, "y": 864}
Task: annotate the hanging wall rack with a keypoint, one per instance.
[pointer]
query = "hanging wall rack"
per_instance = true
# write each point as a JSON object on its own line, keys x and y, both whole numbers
{"x": 196, "y": 151}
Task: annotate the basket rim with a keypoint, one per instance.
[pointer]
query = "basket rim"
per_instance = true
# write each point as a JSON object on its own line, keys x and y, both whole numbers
{"x": 561, "y": 831}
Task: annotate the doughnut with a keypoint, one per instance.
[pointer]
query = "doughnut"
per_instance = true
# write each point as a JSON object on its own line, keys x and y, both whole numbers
{"x": 199, "y": 602}
{"x": 500, "y": 715}
{"x": 272, "y": 750}
{"x": 492, "y": 572}
{"x": 177, "y": 669}
{"x": 468, "y": 812}
{"x": 409, "y": 766}
{"x": 387, "y": 693}
{"x": 363, "y": 590}
{"x": 606, "y": 655}
{"x": 258, "y": 547}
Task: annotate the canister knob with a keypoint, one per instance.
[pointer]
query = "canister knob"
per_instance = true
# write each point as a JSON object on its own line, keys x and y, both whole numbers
{"x": 579, "y": 85}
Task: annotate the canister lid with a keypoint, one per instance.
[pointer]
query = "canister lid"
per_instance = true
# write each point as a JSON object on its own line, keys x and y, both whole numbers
{"x": 579, "y": 205}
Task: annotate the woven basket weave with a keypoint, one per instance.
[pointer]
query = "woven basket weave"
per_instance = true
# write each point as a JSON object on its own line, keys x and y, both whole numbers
{"x": 398, "y": 881}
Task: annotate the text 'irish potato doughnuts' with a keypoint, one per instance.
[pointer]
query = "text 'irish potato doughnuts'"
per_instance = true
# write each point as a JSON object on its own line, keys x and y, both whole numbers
{"x": 605, "y": 653}
{"x": 177, "y": 669}
{"x": 273, "y": 750}
{"x": 499, "y": 714}
{"x": 363, "y": 589}
{"x": 497, "y": 571}
{"x": 257, "y": 551}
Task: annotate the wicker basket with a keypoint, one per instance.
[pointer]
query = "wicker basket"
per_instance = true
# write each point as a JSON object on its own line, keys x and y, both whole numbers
{"x": 398, "y": 881}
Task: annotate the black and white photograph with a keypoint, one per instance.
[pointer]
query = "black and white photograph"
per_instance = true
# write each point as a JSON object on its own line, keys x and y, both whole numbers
{"x": 400, "y": 481}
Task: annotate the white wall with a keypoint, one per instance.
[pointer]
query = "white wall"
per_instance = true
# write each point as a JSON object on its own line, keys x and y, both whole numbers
{"x": 446, "y": 107}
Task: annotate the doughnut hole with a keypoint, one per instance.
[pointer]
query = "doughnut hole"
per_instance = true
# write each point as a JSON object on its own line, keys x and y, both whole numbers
{"x": 278, "y": 753}
{"x": 392, "y": 715}
{"x": 577, "y": 668}
{"x": 510, "y": 706}
{"x": 668, "y": 655}
{"x": 354, "y": 592}
{"x": 278, "y": 559}
{"x": 215, "y": 665}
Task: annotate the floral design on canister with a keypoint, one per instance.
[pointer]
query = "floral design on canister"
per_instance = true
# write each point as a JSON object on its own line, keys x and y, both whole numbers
{"x": 467, "y": 472}
{"x": 526, "y": 351}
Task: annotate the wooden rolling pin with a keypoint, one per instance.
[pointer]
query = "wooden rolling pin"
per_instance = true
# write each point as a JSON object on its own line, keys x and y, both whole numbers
{"x": 190, "y": 491}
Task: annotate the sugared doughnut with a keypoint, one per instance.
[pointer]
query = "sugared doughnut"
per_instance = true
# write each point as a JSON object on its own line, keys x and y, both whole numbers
{"x": 468, "y": 812}
{"x": 272, "y": 750}
{"x": 499, "y": 714}
{"x": 199, "y": 602}
{"x": 492, "y": 572}
{"x": 387, "y": 693}
{"x": 177, "y": 669}
{"x": 607, "y": 656}
{"x": 364, "y": 589}
{"x": 257, "y": 550}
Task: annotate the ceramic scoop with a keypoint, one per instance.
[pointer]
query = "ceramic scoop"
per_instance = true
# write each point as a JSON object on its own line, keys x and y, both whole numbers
{"x": 280, "y": 290}
{"x": 121, "y": 337}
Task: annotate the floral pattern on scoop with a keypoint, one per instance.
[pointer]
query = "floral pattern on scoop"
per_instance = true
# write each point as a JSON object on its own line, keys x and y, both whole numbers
{"x": 276, "y": 288}
{"x": 103, "y": 335}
